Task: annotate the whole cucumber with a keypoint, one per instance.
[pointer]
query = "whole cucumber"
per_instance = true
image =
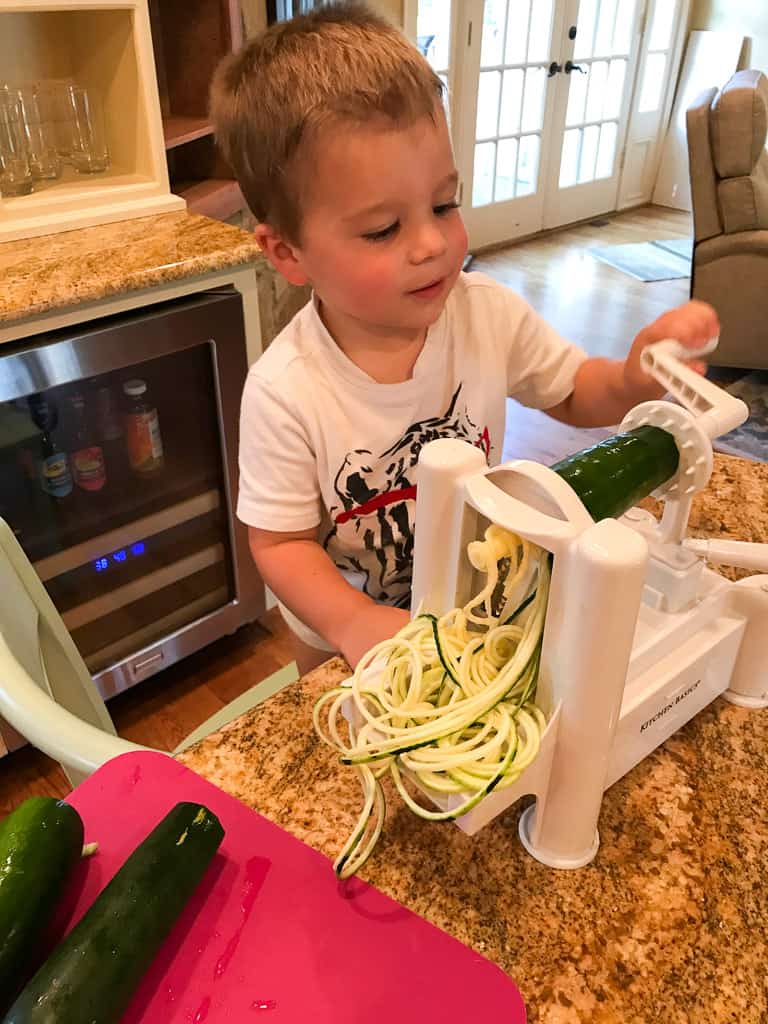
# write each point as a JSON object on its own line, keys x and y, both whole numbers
{"x": 41, "y": 841}
{"x": 92, "y": 974}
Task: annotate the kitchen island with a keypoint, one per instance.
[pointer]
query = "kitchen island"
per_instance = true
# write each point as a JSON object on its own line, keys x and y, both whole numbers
{"x": 669, "y": 923}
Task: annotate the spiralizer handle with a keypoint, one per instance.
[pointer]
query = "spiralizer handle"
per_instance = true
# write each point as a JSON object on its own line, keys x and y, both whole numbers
{"x": 715, "y": 410}
{"x": 745, "y": 554}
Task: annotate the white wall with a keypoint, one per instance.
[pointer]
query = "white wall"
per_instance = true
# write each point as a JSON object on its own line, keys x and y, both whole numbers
{"x": 749, "y": 17}
{"x": 392, "y": 8}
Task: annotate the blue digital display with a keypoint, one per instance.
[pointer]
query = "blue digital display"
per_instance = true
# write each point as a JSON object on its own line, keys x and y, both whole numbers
{"x": 119, "y": 557}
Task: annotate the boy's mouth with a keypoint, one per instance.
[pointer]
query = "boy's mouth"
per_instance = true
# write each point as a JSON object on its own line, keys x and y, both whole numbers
{"x": 429, "y": 290}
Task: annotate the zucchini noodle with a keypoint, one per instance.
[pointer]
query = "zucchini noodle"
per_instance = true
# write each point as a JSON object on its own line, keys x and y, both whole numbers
{"x": 447, "y": 701}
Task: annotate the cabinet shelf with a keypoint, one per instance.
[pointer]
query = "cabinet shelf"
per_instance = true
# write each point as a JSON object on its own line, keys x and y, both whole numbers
{"x": 189, "y": 39}
{"x": 218, "y": 198}
{"x": 178, "y": 130}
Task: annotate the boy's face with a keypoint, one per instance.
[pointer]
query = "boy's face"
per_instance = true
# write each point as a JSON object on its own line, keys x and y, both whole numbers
{"x": 382, "y": 238}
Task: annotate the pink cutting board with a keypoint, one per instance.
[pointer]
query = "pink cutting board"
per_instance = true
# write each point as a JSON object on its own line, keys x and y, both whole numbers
{"x": 270, "y": 934}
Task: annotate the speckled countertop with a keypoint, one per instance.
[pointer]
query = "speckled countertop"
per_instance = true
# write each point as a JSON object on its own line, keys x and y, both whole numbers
{"x": 668, "y": 924}
{"x": 74, "y": 267}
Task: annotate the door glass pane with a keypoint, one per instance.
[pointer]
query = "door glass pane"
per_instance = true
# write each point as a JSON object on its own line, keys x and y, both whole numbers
{"x": 625, "y": 18}
{"x": 589, "y": 153}
{"x": 533, "y": 100}
{"x": 607, "y": 150}
{"x": 577, "y": 98}
{"x": 115, "y": 489}
{"x": 488, "y": 104}
{"x": 492, "y": 48}
{"x": 653, "y": 81}
{"x": 528, "y": 165}
{"x": 517, "y": 31}
{"x": 433, "y": 32}
{"x": 663, "y": 21}
{"x": 585, "y": 35}
{"x": 598, "y": 79}
{"x": 605, "y": 26}
{"x": 511, "y": 101}
{"x": 506, "y": 165}
{"x": 540, "y": 31}
{"x": 614, "y": 94}
{"x": 570, "y": 159}
{"x": 482, "y": 179}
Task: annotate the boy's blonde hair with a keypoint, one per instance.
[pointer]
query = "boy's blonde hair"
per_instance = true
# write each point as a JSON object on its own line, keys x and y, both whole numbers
{"x": 339, "y": 64}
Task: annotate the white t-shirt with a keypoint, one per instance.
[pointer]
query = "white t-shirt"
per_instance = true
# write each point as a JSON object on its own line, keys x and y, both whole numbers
{"x": 324, "y": 445}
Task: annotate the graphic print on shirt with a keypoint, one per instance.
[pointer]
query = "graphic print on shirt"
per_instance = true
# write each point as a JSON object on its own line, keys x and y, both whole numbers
{"x": 371, "y": 540}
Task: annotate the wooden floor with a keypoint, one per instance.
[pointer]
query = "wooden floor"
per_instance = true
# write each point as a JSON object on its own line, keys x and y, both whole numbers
{"x": 597, "y": 306}
{"x": 587, "y": 301}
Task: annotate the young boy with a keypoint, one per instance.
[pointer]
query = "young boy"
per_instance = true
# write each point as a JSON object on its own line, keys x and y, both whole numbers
{"x": 335, "y": 127}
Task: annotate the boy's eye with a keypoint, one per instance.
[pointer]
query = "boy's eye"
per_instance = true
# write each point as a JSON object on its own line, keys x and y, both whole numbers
{"x": 444, "y": 208}
{"x": 382, "y": 233}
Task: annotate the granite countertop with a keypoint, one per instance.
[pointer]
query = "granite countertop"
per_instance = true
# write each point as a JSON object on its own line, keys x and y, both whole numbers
{"x": 668, "y": 924}
{"x": 74, "y": 267}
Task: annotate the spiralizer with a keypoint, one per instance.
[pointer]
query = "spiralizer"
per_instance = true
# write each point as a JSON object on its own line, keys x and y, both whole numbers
{"x": 640, "y": 635}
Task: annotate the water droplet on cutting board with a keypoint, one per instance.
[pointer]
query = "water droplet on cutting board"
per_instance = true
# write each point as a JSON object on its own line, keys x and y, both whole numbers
{"x": 264, "y": 1004}
{"x": 202, "y": 1013}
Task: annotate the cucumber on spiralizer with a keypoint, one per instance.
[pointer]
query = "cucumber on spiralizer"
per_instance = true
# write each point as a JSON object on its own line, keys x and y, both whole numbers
{"x": 40, "y": 843}
{"x": 92, "y": 974}
{"x": 614, "y": 474}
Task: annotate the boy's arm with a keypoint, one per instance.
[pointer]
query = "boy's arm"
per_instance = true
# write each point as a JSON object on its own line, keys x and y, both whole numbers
{"x": 606, "y": 389}
{"x": 304, "y": 578}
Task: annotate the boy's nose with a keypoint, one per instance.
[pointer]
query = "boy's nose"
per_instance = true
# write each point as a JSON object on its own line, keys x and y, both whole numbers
{"x": 428, "y": 243}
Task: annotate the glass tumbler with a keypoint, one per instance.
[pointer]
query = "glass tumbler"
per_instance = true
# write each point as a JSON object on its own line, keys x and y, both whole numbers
{"x": 44, "y": 160}
{"x": 15, "y": 172}
{"x": 55, "y": 108}
{"x": 89, "y": 141}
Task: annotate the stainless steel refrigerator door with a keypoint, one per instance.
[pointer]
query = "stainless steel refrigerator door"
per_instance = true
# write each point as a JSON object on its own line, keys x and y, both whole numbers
{"x": 203, "y": 337}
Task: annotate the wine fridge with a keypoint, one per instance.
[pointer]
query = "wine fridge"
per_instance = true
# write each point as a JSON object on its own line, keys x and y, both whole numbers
{"x": 118, "y": 471}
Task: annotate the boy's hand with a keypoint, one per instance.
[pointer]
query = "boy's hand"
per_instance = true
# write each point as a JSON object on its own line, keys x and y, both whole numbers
{"x": 692, "y": 324}
{"x": 369, "y": 626}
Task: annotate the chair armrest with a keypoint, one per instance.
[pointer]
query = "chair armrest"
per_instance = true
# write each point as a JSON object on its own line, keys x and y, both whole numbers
{"x": 742, "y": 243}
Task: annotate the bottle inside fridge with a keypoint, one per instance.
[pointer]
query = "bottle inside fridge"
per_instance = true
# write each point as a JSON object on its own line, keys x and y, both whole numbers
{"x": 144, "y": 442}
{"x": 88, "y": 465}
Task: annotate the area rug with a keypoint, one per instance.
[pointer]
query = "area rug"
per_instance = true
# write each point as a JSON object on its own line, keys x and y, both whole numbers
{"x": 750, "y": 441}
{"x": 663, "y": 260}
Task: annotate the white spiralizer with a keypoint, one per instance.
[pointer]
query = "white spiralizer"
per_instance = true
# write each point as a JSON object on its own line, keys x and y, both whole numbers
{"x": 639, "y": 634}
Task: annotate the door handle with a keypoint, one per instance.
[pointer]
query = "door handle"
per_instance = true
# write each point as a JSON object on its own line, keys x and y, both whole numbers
{"x": 570, "y": 66}
{"x": 554, "y": 69}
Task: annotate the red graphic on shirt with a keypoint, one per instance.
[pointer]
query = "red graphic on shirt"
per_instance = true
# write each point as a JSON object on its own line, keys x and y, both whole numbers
{"x": 372, "y": 534}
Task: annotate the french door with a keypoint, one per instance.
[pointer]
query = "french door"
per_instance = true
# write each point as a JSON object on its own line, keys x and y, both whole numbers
{"x": 542, "y": 93}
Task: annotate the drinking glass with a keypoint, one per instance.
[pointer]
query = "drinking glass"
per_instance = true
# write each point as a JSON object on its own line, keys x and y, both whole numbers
{"x": 55, "y": 108}
{"x": 89, "y": 142}
{"x": 15, "y": 172}
{"x": 44, "y": 160}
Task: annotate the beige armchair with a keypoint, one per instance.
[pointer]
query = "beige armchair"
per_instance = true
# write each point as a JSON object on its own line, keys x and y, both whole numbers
{"x": 729, "y": 191}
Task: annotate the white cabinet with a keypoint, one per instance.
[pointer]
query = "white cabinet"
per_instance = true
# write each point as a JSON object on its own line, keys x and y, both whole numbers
{"x": 104, "y": 46}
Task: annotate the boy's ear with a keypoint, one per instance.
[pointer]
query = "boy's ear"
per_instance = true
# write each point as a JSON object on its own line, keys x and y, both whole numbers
{"x": 283, "y": 256}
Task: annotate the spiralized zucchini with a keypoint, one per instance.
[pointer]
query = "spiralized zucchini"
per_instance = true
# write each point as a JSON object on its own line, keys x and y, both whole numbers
{"x": 448, "y": 701}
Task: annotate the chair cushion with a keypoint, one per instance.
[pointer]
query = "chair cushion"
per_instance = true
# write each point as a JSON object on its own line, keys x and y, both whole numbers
{"x": 739, "y": 123}
{"x": 744, "y": 203}
{"x": 706, "y": 218}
